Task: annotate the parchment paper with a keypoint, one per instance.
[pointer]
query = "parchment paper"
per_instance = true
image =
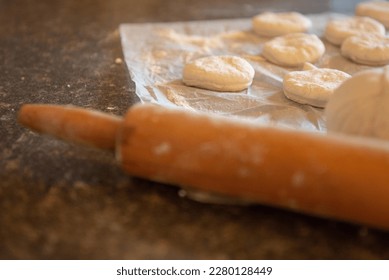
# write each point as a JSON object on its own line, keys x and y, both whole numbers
{"x": 155, "y": 54}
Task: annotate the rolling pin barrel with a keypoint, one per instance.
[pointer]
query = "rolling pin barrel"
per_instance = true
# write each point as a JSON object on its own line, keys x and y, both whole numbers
{"x": 311, "y": 173}
{"x": 323, "y": 175}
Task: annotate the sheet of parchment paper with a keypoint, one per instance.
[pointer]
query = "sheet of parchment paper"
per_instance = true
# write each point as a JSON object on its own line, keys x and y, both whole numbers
{"x": 155, "y": 54}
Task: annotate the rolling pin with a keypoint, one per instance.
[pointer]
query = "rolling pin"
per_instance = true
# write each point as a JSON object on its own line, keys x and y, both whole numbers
{"x": 332, "y": 176}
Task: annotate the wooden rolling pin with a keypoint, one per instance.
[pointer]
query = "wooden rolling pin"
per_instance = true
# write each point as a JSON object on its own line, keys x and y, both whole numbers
{"x": 330, "y": 176}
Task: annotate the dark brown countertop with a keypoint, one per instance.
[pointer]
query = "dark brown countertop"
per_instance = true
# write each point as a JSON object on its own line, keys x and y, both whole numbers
{"x": 63, "y": 201}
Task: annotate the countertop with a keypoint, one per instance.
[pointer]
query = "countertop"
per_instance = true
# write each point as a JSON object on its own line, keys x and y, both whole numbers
{"x": 64, "y": 201}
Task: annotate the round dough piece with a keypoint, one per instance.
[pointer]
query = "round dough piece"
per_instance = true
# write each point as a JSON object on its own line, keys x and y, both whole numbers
{"x": 338, "y": 30}
{"x": 276, "y": 24}
{"x": 219, "y": 73}
{"x": 313, "y": 87}
{"x": 293, "y": 49}
{"x": 378, "y": 10}
{"x": 367, "y": 49}
{"x": 360, "y": 106}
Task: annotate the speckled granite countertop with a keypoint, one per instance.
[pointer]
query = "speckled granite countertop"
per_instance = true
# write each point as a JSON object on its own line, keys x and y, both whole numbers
{"x": 63, "y": 201}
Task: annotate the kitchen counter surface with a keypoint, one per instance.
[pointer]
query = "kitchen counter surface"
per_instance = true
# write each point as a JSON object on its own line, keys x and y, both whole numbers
{"x": 63, "y": 201}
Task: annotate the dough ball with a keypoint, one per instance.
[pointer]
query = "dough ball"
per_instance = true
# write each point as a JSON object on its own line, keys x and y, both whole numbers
{"x": 293, "y": 49}
{"x": 275, "y": 24}
{"x": 219, "y": 73}
{"x": 378, "y": 10}
{"x": 360, "y": 106}
{"x": 338, "y": 30}
{"x": 313, "y": 87}
{"x": 367, "y": 49}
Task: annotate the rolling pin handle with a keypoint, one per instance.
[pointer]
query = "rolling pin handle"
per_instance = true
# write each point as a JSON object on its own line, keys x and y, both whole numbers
{"x": 72, "y": 124}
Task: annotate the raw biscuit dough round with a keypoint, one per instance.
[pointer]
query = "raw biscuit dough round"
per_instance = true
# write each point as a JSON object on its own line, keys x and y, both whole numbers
{"x": 360, "y": 105}
{"x": 313, "y": 87}
{"x": 367, "y": 49}
{"x": 293, "y": 49}
{"x": 337, "y": 30}
{"x": 219, "y": 73}
{"x": 276, "y": 24}
{"x": 379, "y": 10}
